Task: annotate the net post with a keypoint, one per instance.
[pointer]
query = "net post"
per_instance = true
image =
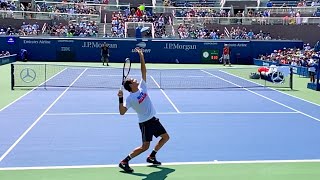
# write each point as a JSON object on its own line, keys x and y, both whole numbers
{"x": 12, "y": 77}
{"x": 291, "y": 78}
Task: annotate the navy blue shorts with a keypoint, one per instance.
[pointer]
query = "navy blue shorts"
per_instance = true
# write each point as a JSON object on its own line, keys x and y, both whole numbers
{"x": 151, "y": 128}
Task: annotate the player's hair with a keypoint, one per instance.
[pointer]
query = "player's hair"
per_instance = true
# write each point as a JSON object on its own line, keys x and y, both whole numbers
{"x": 126, "y": 85}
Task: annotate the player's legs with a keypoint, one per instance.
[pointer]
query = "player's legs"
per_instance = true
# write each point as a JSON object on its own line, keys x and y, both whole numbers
{"x": 124, "y": 164}
{"x": 164, "y": 139}
{"x": 103, "y": 59}
{"x": 146, "y": 133}
{"x": 145, "y": 146}
{"x": 107, "y": 60}
{"x": 152, "y": 157}
{"x": 159, "y": 130}
{"x": 228, "y": 59}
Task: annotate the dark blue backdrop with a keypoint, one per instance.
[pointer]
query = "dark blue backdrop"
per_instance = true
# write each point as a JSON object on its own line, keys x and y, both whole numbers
{"x": 156, "y": 51}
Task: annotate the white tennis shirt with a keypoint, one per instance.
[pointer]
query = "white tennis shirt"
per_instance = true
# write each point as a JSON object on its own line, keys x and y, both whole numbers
{"x": 141, "y": 103}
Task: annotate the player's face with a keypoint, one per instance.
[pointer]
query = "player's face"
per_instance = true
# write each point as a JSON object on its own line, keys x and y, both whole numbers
{"x": 134, "y": 83}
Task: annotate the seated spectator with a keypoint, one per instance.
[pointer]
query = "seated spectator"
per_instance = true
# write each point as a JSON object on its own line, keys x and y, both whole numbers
{"x": 4, "y": 53}
{"x": 166, "y": 2}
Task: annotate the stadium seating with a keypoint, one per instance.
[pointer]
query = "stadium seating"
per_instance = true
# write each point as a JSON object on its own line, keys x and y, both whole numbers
{"x": 201, "y": 3}
{"x": 98, "y": 18}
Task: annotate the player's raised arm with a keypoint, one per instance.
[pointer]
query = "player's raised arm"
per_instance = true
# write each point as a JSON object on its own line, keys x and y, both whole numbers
{"x": 122, "y": 109}
{"x": 143, "y": 65}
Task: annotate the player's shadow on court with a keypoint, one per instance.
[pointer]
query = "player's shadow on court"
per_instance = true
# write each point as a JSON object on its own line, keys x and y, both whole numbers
{"x": 157, "y": 175}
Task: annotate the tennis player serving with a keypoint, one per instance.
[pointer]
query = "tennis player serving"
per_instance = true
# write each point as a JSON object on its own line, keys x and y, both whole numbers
{"x": 149, "y": 125}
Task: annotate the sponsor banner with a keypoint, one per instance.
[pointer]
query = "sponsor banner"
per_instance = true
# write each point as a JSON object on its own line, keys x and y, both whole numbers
{"x": 156, "y": 50}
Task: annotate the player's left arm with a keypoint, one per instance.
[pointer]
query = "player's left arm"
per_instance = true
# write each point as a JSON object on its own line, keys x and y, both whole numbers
{"x": 122, "y": 108}
{"x": 143, "y": 65}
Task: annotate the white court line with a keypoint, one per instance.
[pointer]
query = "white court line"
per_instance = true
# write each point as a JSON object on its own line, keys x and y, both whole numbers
{"x": 174, "y": 106}
{"x": 271, "y": 88}
{"x": 30, "y": 91}
{"x": 165, "y": 113}
{"x": 214, "y": 162}
{"x": 111, "y": 75}
{"x": 39, "y": 118}
{"x": 263, "y": 96}
{"x": 114, "y": 75}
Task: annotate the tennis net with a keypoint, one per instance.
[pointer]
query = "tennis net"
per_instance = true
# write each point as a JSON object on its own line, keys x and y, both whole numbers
{"x": 25, "y": 75}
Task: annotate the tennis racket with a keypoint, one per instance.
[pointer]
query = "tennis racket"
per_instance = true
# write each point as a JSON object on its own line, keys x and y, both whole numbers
{"x": 125, "y": 71}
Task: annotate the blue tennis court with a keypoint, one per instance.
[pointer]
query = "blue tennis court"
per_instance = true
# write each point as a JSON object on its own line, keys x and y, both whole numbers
{"x": 72, "y": 126}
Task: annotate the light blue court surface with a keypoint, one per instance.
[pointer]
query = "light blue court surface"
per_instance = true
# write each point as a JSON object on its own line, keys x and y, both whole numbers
{"x": 69, "y": 126}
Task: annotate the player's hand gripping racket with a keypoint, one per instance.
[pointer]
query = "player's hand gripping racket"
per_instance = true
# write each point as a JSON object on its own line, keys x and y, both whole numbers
{"x": 126, "y": 71}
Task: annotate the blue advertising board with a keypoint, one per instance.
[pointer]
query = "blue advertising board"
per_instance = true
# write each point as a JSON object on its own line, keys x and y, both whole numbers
{"x": 156, "y": 50}
{"x": 8, "y": 59}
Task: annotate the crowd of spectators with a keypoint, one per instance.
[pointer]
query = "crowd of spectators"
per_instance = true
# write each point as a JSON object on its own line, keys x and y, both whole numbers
{"x": 26, "y": 29}
{"x": 187, "y": 3}
{"x": 201, "y": 12}
{"x": 306, "y": 57}
{"x": 82, "y": 29}
{"x": 76, "y": 8}
{"x": 136, "y": 15}
{"x": 192, "y": 32}
{"x": 6, "y": 5}
{"x": 294, "y": 57}
{"x": 297, "y": 3}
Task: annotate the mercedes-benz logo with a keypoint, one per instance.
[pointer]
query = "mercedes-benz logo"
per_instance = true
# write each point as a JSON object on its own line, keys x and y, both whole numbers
{"x": 28, "y": 75}
{"x": 277, "y": 77}
{"x": 205, "y": 54}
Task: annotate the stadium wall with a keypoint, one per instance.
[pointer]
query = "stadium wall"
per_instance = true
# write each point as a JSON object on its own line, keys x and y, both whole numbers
{"x": 7, "y": 59}
{"x": 156, "y": 51}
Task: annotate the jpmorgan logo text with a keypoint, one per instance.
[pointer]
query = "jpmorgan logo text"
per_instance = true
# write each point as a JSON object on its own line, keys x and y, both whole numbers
{"x": 180, "y": 46}
{"x": 93, "y": 44}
